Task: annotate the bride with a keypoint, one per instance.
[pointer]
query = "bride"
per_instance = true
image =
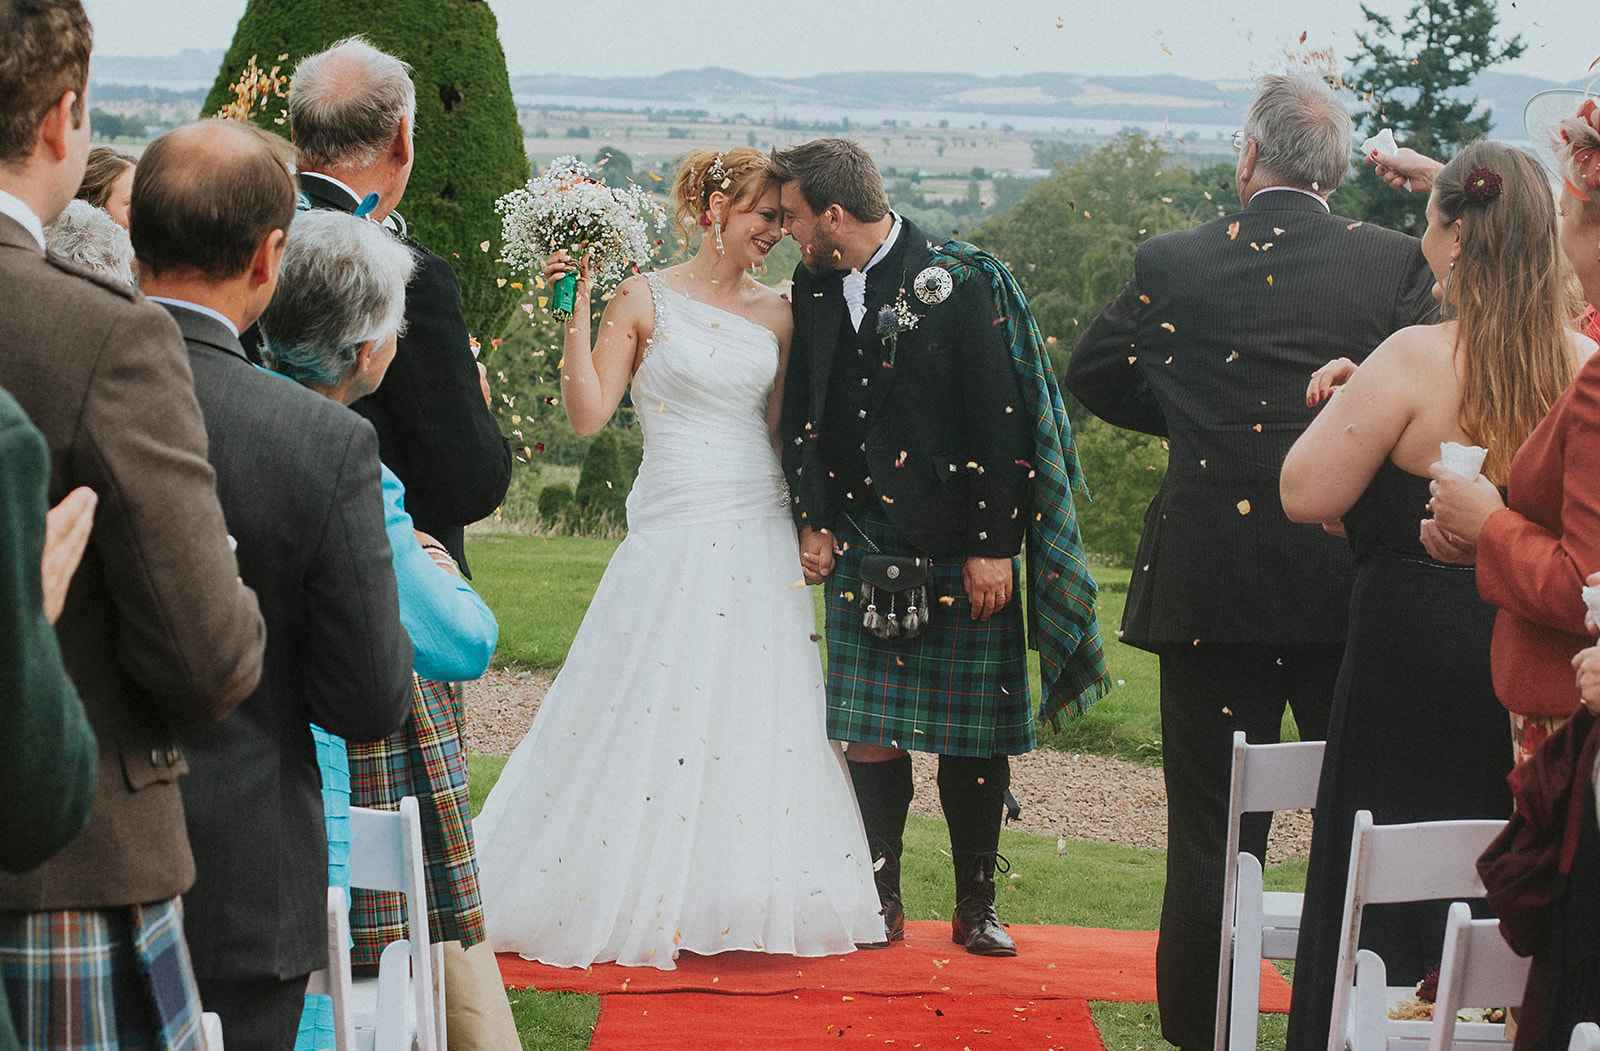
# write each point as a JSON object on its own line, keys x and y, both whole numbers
{"x": 677, "y": 791}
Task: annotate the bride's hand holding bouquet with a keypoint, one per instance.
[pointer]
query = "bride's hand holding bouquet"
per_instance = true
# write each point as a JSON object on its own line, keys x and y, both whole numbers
{"x": 567, "y": 209}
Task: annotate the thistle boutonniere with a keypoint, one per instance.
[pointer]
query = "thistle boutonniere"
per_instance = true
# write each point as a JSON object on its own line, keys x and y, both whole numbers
{"x": 894, "y": 318}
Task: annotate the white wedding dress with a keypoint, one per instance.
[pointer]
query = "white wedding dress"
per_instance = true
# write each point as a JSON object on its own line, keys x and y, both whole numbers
{"x": 677, "y": 792}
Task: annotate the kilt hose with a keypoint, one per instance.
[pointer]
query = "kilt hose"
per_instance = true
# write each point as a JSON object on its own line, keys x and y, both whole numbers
{"x": 961, "y": 689}
{"x": 425, "y": 758}
{"x": 101, "y": 979}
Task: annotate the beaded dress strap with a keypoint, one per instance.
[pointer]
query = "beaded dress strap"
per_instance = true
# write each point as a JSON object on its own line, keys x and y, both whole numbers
{"x": 658, "y": 291}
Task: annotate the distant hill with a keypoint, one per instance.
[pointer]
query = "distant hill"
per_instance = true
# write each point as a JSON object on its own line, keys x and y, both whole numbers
{"x": 1179, "y": 101}
{"x": 1165, "y": 99}
{"x": 183, "y": 72}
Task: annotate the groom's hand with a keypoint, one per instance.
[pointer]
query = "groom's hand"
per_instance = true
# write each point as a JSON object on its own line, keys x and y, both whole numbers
{"x": 816, "y": 554}
{"x": 988, "y": 585}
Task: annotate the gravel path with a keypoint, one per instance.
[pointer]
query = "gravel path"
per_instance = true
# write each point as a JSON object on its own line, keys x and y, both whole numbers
{"x": 1076, "y": 796}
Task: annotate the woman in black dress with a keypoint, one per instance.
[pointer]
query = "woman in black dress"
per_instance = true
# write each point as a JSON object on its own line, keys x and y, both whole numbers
{"x": 1416, "y": 733}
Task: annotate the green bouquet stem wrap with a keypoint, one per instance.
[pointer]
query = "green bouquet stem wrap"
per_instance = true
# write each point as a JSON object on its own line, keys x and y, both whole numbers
{"x": 563, "y": 294}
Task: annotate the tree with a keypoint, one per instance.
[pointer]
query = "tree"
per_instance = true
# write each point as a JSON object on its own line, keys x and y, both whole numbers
{"x": 468, "y": 141}
{"x": 614, "y": 167}
{"x": 1414, "y": 76}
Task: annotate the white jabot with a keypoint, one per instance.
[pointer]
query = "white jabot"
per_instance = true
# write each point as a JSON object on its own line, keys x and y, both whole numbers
{"x": 1293, "y": 189}
{"x": 855, "y": 282}
{"x": 14, "y": 207}
{"x": 198, "y": 309}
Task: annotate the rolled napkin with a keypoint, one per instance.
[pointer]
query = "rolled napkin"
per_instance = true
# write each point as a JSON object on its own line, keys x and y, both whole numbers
{"x": 1384, "y": 143}
{"x": 1591, "y": 598}
{"x": 1465, "y": 460}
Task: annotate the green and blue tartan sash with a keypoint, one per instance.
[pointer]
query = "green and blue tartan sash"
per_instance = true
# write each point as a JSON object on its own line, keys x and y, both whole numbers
{"x": 1061, "y": 590}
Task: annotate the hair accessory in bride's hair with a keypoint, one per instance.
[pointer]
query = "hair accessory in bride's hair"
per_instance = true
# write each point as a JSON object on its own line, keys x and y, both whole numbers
{"x": 1576, "y": 141}
{"x": 1482, "y": 185}
{"x": 716, "y": 176}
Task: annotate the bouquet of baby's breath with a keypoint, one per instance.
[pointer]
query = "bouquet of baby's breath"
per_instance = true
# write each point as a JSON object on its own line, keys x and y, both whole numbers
{"x": 566, "y": 207}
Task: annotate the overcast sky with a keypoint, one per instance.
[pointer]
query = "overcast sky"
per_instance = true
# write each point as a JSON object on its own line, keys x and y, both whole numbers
{"x": 1195, "y": 38}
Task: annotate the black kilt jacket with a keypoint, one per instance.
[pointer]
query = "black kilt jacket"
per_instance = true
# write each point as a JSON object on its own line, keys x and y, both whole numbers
{"x": 1211, "y": 345}
{"x": 947, "y": 435}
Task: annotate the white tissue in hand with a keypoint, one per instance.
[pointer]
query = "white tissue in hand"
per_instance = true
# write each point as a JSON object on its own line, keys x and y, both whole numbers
{"x": 1465, "y": 460}
{"x": 1384, "y": 143}
{"x": 1591, "y": 598}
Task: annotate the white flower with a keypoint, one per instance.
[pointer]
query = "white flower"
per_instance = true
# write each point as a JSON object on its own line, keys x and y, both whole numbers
{"x": 566, "y": 208}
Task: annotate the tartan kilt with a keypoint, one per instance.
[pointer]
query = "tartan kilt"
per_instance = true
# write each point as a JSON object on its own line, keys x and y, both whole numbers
{"x": 116, "y": 979}
{"x": 425, "y": 758}
{"x": 961, "y": 689}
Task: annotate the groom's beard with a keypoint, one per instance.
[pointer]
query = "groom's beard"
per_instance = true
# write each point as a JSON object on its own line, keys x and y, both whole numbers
{"x": 821, "y": 255}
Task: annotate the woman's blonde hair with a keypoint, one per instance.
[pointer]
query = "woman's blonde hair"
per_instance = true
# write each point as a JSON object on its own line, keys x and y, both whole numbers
{"x": 1506, "y": 291}
{"x": 741, "y": 172}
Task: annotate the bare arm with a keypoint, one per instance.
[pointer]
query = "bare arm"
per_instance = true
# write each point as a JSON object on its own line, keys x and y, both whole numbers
{"x": 1333, "y": 462}
{"x": 594, "y": 377}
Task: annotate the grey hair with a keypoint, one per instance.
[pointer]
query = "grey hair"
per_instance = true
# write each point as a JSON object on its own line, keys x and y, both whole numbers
{"x": 1301, "y": 131}
{"x": 87, "y": 236}
{"x": 346, "y": 105}
{"x": 343, "y": 283}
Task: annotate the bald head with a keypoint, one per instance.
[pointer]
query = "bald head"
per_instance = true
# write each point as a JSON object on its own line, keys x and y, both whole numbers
{"x": 205, "y": 197}
{"x": 347, "y": 104}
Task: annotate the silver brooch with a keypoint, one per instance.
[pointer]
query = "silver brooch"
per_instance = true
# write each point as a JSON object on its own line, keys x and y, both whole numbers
{"x": 933, "y": 285}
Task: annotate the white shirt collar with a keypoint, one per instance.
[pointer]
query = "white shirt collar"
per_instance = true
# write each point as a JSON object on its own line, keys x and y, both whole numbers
{"x": 198, "y": 309}
{"x": 355, "y": 198}
{"x": 855, "y": 282}
{"x": 388, "y": 222}
{"x": 13, "y": 206}
{"x": 888, "y": 243}
{"x": 1294, "y": 189}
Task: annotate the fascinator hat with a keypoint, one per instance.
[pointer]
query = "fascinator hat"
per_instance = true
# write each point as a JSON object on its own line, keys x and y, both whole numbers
{"x": 1564, "y": 127}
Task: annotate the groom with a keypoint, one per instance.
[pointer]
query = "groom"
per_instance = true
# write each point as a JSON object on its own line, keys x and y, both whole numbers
{"x": 918, "y": 410}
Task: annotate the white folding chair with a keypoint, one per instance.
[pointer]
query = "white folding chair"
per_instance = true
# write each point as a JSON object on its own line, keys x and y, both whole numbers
{"x": 334, "y": 981}
{"x": 1478, "y": 969}
{"x": 211, "y": 1031}
{"x": 1422, "y": 861}
{"x": 404, "y": 1004}
{"x": 1258, "y": 925}
{"x": 1585, "y": 1037}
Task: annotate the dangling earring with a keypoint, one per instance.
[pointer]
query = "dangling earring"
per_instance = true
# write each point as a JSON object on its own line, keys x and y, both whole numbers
{"x": 716, "y": 228}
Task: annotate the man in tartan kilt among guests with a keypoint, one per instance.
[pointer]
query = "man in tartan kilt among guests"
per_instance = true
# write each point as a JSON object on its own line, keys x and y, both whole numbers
{"x": 921, "y": 420}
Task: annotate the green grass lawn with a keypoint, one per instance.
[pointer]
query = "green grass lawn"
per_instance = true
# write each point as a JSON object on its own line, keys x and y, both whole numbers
{"x": 540, "y": 589}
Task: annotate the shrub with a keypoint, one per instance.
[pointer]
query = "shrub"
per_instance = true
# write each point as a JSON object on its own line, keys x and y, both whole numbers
{"x": 468, "y": 141}
{"x": 1124, "y": 469}
{"x": 607, "y": 477}
{"x": 554, "y": 501}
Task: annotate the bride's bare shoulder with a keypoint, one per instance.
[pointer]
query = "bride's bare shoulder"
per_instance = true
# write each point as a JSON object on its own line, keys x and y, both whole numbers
{"x": 771, "y": 309}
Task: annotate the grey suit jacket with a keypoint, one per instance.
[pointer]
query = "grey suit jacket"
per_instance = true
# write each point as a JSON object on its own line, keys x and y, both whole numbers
{"x": 157, "y": 629}
{"x": 298, "y": 478}
{"x": 1211, "y": 345}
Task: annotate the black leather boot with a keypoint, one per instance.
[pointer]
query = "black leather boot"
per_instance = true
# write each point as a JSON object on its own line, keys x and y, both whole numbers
{"x": 975, "y": 923}
{"x": 886, "y": 874}
{"x": 883, "y": 791}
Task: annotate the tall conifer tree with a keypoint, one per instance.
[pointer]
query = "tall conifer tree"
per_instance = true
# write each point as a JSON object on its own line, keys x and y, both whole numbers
{"x": 1414, "y": 72}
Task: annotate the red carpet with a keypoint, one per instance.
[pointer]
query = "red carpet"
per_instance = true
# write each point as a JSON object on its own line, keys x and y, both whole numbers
{"x": 1069, "y": 963}
{"x": 816, "y": 1019}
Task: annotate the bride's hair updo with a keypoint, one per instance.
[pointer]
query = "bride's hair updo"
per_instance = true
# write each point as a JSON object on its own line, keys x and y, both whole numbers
{"x": 741, "y": 173}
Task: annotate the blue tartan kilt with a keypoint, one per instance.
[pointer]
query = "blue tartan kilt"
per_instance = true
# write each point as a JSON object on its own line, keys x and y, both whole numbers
{"x": 960, "y": 689}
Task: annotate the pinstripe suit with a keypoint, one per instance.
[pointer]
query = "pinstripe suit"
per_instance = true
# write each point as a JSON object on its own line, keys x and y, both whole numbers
{"x": 1211, "y": 345}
